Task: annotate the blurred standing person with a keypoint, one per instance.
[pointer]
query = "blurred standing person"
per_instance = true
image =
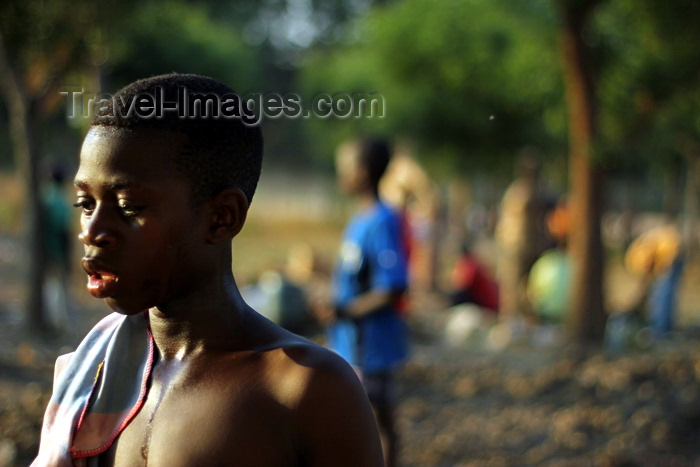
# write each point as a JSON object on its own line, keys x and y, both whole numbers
{"x": 369, "y": 280}
{"x": 520, "y": 237}
{"x": 58, "y": 239}
{"x": 657, "y": 255}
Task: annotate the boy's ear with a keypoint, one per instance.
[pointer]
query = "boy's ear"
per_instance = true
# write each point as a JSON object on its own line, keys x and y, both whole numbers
{"x": 229, "y": 210}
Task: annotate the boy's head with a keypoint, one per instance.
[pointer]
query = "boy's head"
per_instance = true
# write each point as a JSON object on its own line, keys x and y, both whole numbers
{"x": 362, "y": 163}
{"x": 161, "y": 197}
{"x": 220, "y": 150}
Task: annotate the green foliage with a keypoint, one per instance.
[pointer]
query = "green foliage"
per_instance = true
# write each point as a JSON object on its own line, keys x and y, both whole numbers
{"x": 649, "y": 79}
{"x": 49, "y": 32}
{"x": 471, "y": 81}
{"x": 468, "y": 80}
{"x": 176, "y": 36}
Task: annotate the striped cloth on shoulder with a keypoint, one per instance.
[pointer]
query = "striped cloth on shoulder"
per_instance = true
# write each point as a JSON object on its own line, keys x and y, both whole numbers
{"x": 98, "y": 389}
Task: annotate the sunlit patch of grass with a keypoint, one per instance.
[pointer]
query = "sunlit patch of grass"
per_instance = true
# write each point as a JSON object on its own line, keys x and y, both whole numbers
{"x": 11, "y": 203}
{"x": 265, "y": 244}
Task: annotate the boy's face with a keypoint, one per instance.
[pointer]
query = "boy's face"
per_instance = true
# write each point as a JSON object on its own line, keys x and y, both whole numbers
{"x": 142, "y": 237}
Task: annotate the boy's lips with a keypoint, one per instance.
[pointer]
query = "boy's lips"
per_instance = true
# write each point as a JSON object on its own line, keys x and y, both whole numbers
{"x": 101, "y": 283}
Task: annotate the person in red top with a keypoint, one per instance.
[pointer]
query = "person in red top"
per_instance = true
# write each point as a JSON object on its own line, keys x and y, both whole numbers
{"x": 473, "y": 283}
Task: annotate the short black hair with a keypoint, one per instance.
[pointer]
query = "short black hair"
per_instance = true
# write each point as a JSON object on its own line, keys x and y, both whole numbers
{"x": 220, "y": 152}
{"x": 374, "y": 154}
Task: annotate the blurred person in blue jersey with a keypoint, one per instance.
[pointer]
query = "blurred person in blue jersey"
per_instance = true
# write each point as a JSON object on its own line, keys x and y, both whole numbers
{"x": 366, "y": 322}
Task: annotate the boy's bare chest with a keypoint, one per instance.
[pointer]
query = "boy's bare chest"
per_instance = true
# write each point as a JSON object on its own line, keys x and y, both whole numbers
{"x": 208, "y": 425}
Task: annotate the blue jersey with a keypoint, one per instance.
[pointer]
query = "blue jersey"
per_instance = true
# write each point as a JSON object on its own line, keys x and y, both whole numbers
{"x": 372, "y": 257}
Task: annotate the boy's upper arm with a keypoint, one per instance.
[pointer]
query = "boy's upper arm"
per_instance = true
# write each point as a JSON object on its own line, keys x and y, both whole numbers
{"x": 337, "y": 425}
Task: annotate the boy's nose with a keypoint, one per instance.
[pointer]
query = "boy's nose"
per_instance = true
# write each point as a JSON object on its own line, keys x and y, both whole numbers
{"x": 102, "y": 239}
{"x": 96, "y": 231}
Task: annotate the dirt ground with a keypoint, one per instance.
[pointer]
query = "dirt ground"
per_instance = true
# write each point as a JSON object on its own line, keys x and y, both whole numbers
{"x": 543, "y": 405}
{"x": 465, "y": 402}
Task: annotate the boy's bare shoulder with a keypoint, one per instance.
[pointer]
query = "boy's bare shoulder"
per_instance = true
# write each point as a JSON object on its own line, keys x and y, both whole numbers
{"x": 281, "y": 365}
{"x": 333, "y": 418}
{"x": 306, "y": 394}
{"x": 298, "y": 370}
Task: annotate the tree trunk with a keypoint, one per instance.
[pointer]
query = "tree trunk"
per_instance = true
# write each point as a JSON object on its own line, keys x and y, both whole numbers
{"x": 586, "y": 317}
{"x": 26, "y": 155}
{"x": 691, "y": 202}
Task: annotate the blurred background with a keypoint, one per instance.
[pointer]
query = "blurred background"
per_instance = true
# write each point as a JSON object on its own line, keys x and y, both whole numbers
{"x": 566, "y": 131}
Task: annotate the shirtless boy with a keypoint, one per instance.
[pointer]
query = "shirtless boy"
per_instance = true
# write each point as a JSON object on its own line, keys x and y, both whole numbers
{"x": 213, "y": 382}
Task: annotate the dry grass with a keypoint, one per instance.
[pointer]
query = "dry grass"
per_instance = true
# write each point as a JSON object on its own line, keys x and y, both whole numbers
{"x": 265, "y": 244}
{"x": 11, "y": 201}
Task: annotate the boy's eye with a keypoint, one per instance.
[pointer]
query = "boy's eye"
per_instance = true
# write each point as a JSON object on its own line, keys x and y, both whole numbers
{"x": 130, "y": 210}
{"x": 85, "y": 204}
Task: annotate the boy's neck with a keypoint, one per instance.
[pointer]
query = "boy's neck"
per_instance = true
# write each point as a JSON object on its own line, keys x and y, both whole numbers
{"x": 367, "y": 199}
{"x": 210, "y": 320}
